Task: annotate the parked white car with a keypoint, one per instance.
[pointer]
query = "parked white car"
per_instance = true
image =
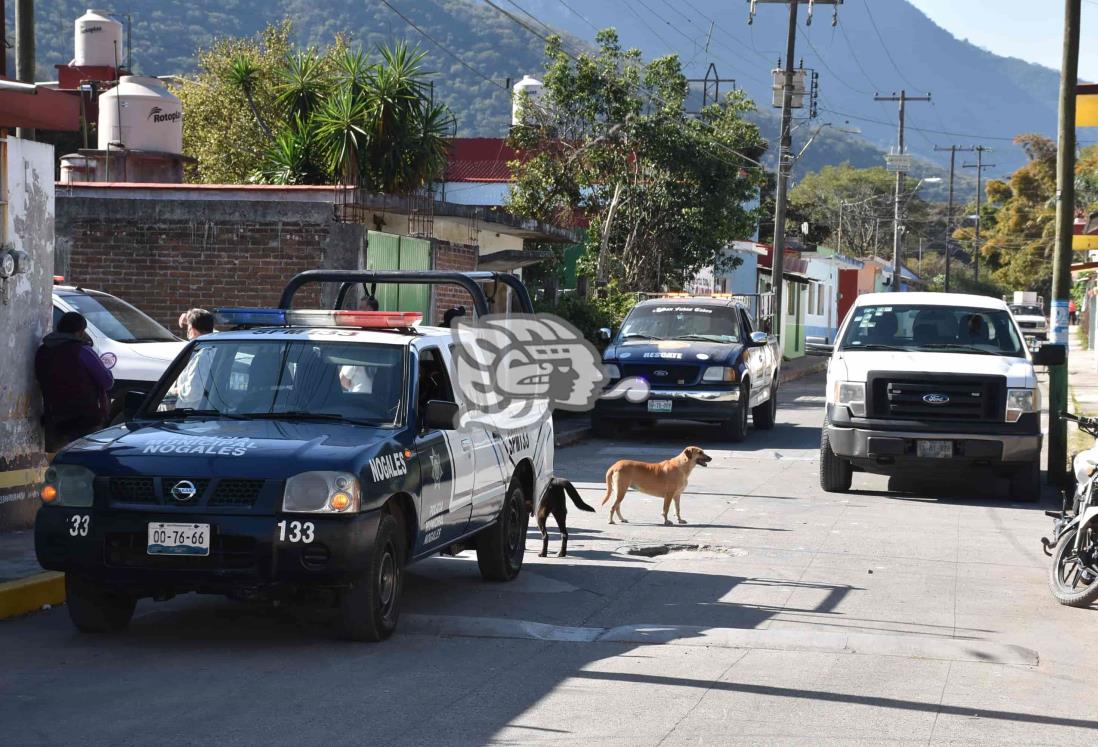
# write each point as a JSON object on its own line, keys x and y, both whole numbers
{"x": 135, "y": 347}
{"x": 1031, "y": 320}
{"x": 933, "y": 382}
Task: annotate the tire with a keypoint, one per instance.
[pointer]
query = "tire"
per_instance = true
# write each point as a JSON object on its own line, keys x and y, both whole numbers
{"x": 96, "y": 609}
{"x": 369, "y": 610}
{"x": 500, "y": 547}
{"x": 763, "y": 416}
{"x": 836, "y": 473}
{"x": 735, "y": 430}
{"x": 1025, "y": 484}
{"x": 1063, "y": 575}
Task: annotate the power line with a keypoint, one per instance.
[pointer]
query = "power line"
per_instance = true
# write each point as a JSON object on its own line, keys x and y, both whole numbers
{"x": 443, "y": 47}
{"x": 822, "y": 61}
{"x": 582, "y": 17}
{"x": 854, "y": 56}
{"x": 971, "y": 135}
{"x": 884, "y": 46}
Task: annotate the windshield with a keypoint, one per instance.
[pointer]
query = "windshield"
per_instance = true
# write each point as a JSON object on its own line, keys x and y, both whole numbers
{"x": 682, "y": 322}
{"x": 932, "y": 328}
{"x": 289, "y": 379}
{"x": 1027, "y": 311}
{"x": 117, "y": 319}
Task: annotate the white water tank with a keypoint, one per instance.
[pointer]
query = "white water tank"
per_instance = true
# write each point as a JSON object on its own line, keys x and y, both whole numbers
{"x": 533, "y": 89}
{"x": 141, "y": 114}
{"x": 97, "y": 36}
{"x": 77, "y": 168}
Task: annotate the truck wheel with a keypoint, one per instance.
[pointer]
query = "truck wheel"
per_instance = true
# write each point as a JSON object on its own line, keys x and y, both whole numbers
{"x": 763, "y": 416}
{"x": 735, "y": 430}
{"x": 369, "y": 610}
{"x": 1025, "y": 484}
{"x": 95, "y": 609}
{"x": 1067, "y": 579}
{"x": 836, "y": 474}
{"x": 501, "y": 546}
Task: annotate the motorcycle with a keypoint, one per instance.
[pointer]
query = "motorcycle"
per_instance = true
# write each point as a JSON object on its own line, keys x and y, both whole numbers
{"x": 1073, "y": 574}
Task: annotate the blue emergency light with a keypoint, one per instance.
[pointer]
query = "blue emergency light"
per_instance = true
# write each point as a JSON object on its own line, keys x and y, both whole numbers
{"x": 250, "y": 317}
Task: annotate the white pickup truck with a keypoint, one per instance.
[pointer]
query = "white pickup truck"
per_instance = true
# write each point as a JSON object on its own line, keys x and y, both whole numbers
{"x": 922, "y": 382}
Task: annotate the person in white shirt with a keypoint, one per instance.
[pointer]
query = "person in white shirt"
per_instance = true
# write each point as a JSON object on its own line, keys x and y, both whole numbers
{"x": 190, "y": 388}
{"x": 359, "y": 378}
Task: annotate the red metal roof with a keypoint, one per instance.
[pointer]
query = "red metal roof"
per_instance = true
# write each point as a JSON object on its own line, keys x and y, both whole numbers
{"x": 479, "y": 159}
{"x": 41, "y": 109}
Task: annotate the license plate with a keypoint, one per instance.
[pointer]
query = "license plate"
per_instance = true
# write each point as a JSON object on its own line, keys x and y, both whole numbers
{"x": 178, "y": 539}
{"x": 659, "y": 405}
{"x": 934, "y": 449}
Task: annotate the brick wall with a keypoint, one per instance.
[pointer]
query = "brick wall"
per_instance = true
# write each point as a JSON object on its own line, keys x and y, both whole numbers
{"x": 166, "y": 257}
{"x": 455, "y": 257}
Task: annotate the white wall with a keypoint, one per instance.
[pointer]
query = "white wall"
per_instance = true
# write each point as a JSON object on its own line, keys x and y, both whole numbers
{"x": 474, "y": 193}
{"x": 25, "y": 303}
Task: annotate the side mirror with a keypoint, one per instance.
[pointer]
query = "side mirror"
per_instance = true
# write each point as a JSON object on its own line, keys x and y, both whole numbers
{"x": 605, "y": 334}
{"x": 758, "y": 339}
{"x": 440, "y": 415}
{"x": 132, "y": 403}
{"x": 1050, "y": 354}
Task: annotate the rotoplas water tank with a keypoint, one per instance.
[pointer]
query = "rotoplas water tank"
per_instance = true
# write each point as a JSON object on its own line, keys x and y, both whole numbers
{"x": 97, "y": 34}
{"x": 533, "y": 90}
{"x": 141, "y": 114}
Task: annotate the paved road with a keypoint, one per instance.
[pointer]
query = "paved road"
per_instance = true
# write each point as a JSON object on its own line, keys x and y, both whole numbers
{"x": 797, "y": 617}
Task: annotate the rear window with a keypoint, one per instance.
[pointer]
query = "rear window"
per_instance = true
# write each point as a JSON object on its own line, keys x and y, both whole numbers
{"x": 117, "y": 319}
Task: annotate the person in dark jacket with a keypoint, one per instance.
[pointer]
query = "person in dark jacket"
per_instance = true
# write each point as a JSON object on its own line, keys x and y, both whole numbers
{"x": 74, "y": 383}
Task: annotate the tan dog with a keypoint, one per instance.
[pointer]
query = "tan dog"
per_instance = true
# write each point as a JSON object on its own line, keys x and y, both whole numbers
{"x": 666, "y": 479}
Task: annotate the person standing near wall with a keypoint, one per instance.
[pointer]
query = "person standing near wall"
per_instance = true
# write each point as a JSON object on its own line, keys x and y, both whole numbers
{"x": 74, "y": 383}
{"x": 189, "y": 388}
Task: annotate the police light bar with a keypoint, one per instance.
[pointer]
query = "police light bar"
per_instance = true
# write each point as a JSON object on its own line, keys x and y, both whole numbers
{"x": 250, "y": 317}
{"x": 360, "y": 319}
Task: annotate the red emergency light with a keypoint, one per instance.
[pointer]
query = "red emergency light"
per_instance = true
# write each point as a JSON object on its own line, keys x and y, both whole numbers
{"x": 360, "y": 319}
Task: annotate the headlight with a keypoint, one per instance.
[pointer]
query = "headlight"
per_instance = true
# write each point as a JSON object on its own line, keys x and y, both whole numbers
{"x": 1021, "y": 401}
{"x": 850, "y": 394}
{"x": 68, "y": 485}
{"x": 612, "y": 371}
{"x": 321, "y": 493}
{"x": 719, "y": 373}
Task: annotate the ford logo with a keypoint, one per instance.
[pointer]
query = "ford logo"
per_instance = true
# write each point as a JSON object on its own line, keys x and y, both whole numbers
{"x": 183, "y": 491}
{"x": 936, "y": 399}
{"x": 660, "y": 372}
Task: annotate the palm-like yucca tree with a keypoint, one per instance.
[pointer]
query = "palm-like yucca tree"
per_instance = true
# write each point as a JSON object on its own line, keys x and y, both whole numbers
{"x": 303, "y": 84}
{"x": 340, "y": 127}
{"x": 244, "y": 74}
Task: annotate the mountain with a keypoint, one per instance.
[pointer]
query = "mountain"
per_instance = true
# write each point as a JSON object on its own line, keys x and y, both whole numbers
{"x": 983, "y": 97}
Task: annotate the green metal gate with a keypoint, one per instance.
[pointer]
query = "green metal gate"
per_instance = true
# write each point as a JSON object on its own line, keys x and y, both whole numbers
{"x": 388, "y": 251}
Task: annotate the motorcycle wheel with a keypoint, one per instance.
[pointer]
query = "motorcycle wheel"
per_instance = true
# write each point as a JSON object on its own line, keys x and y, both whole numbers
{"x": 1067, "y": 577}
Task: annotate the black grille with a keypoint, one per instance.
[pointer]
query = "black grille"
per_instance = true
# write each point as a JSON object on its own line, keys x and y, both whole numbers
{"x": 236, "y": 492}
{"x": 664, "y": 374}
{"x": 130, "y": 550}
{"x": 1028, "y": 325}
{"x": 132, "y": 490}
{"x": 942, "y": 397}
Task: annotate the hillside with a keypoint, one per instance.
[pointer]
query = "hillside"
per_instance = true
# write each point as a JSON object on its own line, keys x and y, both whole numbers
{"x": 1012, "y": 96}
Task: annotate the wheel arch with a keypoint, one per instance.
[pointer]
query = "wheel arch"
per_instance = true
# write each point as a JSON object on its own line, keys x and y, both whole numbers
{"x": 524, "y": 473}
{"x": 403, "y": 508}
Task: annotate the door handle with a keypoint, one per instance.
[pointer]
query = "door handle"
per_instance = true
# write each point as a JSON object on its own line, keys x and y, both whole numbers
{"x": 466, "y": 444}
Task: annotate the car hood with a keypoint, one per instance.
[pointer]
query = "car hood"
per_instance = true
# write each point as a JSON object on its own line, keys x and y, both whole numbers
{"x": 1028, "y": 318}
{"x": 218, "y": 448}
{"x": 855, "y": 365}
{"x": 672, "y": 351}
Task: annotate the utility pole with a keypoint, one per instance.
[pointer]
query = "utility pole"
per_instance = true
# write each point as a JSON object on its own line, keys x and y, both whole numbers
{"x": 1061, "y": 261}
{"x": 979, "y": 166}
{"x": 897, "y": 230}
{"x": 949, "y": 211}
{"x": 785, "y": 156}
{"x": 24, "y": 50}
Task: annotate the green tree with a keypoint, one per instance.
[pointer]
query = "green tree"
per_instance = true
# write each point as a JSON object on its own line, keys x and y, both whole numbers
{"x": 610, "y": 142}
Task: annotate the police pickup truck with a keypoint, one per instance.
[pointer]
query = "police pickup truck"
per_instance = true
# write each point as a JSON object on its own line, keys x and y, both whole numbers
{"x": 701, "y": 359}
{"x": 302, "y": 454}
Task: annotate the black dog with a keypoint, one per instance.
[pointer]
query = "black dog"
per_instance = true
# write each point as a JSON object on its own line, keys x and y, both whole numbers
{"x": 552, "y": 502}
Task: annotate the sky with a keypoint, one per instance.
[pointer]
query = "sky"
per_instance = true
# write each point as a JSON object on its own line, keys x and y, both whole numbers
{"x": 1012, "y": 28}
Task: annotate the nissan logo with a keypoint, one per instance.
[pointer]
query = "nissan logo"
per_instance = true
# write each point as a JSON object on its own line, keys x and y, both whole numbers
{"x": 183, "y": 491}
{"x": 660, "y": 372}
{"x": 936, "y": 399}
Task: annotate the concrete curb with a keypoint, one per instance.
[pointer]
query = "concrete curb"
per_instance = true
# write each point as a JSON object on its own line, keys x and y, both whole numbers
{"x": 786, "y": 376}
{"x": 572, "y": 437}
{"x": 30, "y": 594}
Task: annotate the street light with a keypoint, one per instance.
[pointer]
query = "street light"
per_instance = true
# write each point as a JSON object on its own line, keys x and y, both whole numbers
{"x": 897, "y": 265}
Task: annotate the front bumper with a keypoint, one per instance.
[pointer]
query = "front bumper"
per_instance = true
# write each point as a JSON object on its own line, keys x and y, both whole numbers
{"x": 246, "y": 552}
{"x": 891, "y": 447}
{"x": 686, "y": 404}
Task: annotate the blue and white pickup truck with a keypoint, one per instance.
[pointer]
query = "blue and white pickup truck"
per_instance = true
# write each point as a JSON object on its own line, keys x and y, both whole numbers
{"x": 302, "y": 454}
{"x": 702, "y": 359}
